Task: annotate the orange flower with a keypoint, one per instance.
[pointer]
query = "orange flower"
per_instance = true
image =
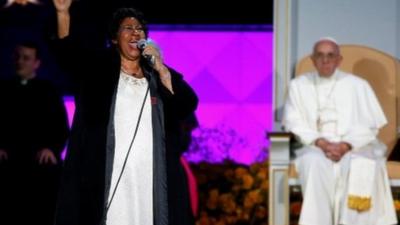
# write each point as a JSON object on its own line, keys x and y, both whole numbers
{"x": 228, "y": 203}
{"x": 251, "y": 199}
{"x": 236, "y": 195}
{"x": 262, "y": 173}
{"x": 247, "y": 181}
{"x": 212, "y": 201}
{"x": 397, "y": 205}
{"x": 244, "y": 216}
{"x": 261, "y": 212}
{"x": 239, "y": 172}
{"x": 235, "y": 188}
{"x": 264, "y": 185}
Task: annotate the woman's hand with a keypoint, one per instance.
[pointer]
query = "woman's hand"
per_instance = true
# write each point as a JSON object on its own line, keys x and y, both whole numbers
{"x": 46, "y": 157}
{"x": 165, "y": 75}
{"x": 62, "y": 6}
{"x": 63, "y": 17}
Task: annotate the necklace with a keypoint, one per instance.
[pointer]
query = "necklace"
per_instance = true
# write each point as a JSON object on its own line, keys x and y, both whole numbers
{"x": 137, "y": 74}
{"x": 132, "y": 79}
{"x": 328, "y": 97}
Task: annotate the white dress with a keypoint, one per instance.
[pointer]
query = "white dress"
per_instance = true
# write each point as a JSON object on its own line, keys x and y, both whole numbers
{"x": 133, "y": 200}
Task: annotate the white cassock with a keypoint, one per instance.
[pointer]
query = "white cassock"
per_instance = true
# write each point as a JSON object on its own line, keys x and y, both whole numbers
{"x": 344, "y": 108}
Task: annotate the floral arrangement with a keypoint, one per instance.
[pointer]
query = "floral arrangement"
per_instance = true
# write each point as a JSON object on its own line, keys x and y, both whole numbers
{"x": 397, "y": 207}
{"x": 396, "y": 196}
{"x": 214, "y": 144}
{"x": 232, "y": 193}
{"x": 218, "y": 144}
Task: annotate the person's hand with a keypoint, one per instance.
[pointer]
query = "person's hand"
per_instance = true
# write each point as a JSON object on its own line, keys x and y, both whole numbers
{"x": 336, "y": 151}
{"x": 154, "y": 52}
{"x": 343, "y": 148}
{"x": 3, "y": 155}
{"x": 62, "y": 6}
{"x": 46, "y": 157}
{"x": 322, "y": 143}
{"x": 63, "y": 17}
{"x": 325, "y": 146}
{"x": 165, "y": 75}
{"x": 333, "y": 151}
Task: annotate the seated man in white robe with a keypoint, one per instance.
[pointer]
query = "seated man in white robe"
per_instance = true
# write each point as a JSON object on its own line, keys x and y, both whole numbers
{"x": 341, "y": 166}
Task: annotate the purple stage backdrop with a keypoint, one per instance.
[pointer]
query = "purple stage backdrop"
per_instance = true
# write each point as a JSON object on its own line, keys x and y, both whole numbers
{"x": 231, "y": 71}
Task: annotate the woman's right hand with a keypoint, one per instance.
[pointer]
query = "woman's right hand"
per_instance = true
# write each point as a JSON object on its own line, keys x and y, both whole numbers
{"x": 62, "y": 5}
{"x": 63, "y": 17}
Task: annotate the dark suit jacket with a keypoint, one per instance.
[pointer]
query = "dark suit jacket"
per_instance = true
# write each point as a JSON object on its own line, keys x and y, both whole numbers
{"x": 87, "y": 172}
{"x": 32, "y": 117}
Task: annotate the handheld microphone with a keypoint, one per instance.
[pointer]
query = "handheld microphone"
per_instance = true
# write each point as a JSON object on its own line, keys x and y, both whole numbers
{"x": 141, "y": 44}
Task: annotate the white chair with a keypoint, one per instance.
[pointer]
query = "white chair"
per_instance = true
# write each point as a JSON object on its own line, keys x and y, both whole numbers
{"x": 382, "y": 71}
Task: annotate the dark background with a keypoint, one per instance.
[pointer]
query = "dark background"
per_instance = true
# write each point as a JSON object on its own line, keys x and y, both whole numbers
{"x": 37, "y": 22}
{"x": 172, "y": 11}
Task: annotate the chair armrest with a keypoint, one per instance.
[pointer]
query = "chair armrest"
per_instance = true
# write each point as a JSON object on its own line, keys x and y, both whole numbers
{"x": 279, "y": 158}
{"x": 279, "y": 153}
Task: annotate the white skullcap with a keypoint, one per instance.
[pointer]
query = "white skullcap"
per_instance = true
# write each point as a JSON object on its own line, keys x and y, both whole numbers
{"x": 331, "y": 39}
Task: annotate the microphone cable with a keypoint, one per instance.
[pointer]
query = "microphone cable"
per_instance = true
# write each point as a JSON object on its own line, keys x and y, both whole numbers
{"x": 126, "y": 157}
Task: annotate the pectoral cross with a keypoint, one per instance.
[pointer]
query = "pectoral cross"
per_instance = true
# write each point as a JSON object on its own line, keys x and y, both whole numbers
{"x": 319, "y": 124}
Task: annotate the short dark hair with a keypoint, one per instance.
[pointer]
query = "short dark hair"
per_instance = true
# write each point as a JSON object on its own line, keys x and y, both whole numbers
{"x": 31, "y": 44}
{"x": 120, "y": 14}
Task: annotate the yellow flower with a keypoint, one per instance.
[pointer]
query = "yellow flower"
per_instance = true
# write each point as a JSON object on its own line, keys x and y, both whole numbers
{"x": 397, "y": 205}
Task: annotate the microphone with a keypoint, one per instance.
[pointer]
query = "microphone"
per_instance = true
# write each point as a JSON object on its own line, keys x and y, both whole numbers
{"x": 141, "y": 44}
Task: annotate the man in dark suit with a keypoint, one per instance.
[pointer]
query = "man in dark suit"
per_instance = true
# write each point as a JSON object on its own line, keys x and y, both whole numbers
{"x": 33, "y": 132}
